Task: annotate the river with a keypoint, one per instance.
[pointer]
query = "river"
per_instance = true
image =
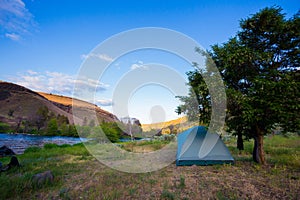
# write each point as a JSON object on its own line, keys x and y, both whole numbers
{"x": 19, "y": 142}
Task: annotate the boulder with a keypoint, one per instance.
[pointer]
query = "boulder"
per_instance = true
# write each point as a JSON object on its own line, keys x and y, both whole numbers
{"x": 13, "y": 163}
{"x": 42, "y": 178}
{"x": 5, "y": 151}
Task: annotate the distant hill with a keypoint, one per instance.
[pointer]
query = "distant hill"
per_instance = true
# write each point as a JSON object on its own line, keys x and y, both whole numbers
{"x": 180, "y": 124}
{"x": 20, "y": 106}
{"x": 160, "y": 125}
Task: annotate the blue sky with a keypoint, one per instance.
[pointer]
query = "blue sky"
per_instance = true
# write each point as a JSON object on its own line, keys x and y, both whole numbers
{"x": 43, "y": 43}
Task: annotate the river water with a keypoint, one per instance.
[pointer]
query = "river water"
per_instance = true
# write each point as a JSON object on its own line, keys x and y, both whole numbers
{"x": 19, "y": 142}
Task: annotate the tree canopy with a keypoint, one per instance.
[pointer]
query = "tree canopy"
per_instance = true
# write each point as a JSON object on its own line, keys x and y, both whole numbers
{"x": 260, "y": 69}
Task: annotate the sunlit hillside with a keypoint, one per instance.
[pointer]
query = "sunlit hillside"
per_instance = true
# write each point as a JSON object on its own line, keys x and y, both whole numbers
{"x": 182, "y": 122}
{"x": 67, "y": 101}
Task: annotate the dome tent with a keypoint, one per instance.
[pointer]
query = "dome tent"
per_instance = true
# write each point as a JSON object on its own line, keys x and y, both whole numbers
{"x": 197, "y": 147}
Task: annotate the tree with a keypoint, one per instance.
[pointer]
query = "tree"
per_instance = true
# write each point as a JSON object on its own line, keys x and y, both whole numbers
{"x": 52, "y": 128}
{"x": 72, "y": 131}
{"x": 206, "y": 91}
{"x": 111, "y": 130}
{"x": 41, "y": 117}
{"x": 260, "y": 69}
{"x": 64, "y": 129}
{"x": 10, "y": 113}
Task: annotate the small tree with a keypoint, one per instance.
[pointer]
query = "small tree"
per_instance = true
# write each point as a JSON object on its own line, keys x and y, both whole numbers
{"x": 112, "y": 131}
{"x": 41, "y": 117}
{"x": 10, "y": 113}
{"x": 52, "y": 128}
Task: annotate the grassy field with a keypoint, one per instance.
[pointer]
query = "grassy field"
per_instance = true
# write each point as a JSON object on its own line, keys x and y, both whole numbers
{"x": 78, "y": 175}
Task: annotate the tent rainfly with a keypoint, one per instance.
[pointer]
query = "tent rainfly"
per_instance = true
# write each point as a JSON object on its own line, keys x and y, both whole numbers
{"x": 197, "y": 147}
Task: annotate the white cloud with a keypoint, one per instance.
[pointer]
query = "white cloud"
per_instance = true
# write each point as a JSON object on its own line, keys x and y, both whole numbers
{"x": 83, "y": 56}
{"x": 84, "y": 83}
{"x": 31, "y": 72}
{"x": 15, "y": 19}
{"x": 138, "y": 65}
{"x": 103, "y": 57}
{"x": 104, "y": 102}
{"x": 55, "y": 82}
{"x": 12, "y": 36}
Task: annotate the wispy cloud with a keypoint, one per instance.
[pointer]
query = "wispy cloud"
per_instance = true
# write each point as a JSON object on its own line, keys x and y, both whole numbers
{"x": 12, "y": 36}
{"x": 55, "y": 82}
{"x": 86, "y": 84}
{"x": 15, "y": 19}
{"x": 138, "y": 65}
{"x": 103, "y": 57}
{"x": 104, "y": 102}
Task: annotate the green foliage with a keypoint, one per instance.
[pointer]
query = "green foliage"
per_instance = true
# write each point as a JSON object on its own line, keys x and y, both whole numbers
{"x": 32, "y": 149}
{"x": 50, "y": 146}
{"x": 107, "y": 131}
{"x": 131, "y": 128}
{"x": 52, "y": 128}
{"x": 111, "y": 130}
{"x": 41, "y": 117}
{"x": 260, "y": 69}
{"x": 259, "y": 66}
{"x": 4, "y": 128}
{"x": 61, "y": 119}
{"x": 181, "y": 182}
{"x": 72, "y": 131}
{"x": 63, "y": 129}
{"x": 166, "y": 194}
{"x": 33, "y": 131}
{"x": 85, "y": 131}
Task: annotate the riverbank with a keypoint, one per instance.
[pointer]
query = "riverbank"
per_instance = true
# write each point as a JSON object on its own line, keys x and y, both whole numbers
{"x": 78, "y": 175}
{"x": 19, "y": 142}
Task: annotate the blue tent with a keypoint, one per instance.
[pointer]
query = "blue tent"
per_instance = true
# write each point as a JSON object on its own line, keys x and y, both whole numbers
{"x": 197, "y": 147}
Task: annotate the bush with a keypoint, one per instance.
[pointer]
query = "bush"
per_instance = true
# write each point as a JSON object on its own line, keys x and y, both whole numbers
{"x": 110, "y": 129}
{"x": 4, "y": 128}
{"x": 34, "y": 131}
{"x": 50, "y": 146}
{"x": 64, "y": 145}
{"x": 32, "y": 149}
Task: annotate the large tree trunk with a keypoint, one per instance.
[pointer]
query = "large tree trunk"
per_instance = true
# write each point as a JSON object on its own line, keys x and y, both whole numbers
{"x": 258, "y": 150}
{"x": 240, "y": 142}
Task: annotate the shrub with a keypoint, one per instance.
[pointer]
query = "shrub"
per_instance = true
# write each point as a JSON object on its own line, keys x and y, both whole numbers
{"x": 50, "y": 146}
{"x": 4, "y": 128}
{"x": 32, "y": 149}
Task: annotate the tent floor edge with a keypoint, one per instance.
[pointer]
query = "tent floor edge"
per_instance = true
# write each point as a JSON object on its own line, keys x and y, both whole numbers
{"x": 203, "y": 162}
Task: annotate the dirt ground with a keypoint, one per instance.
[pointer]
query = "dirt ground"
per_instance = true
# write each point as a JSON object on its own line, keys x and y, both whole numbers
{"x": 244, "y": 180}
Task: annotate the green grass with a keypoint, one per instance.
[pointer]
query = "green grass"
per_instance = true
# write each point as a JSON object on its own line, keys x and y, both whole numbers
{"x": 36, "y": 160}
{"x": 279, "y": 150}
{"x": 78, "y": 175}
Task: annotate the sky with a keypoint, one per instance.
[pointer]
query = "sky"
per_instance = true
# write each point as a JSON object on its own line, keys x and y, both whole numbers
{"x": 44, "y": 44}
